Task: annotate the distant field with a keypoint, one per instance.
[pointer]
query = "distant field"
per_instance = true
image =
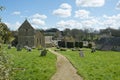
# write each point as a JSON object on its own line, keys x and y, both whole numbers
{"x": 102, "y": 65}
{"x": 29, "y": 66}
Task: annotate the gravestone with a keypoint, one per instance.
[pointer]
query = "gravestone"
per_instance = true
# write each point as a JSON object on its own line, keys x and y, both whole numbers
{"x": 29, "y": 49}
{"x": 43, "y": 52}
{"x": 93, "y": 50}
{"x": 81, "y": 53}
{"x": 9, "y": 46}
{"x": 18, "y": 47}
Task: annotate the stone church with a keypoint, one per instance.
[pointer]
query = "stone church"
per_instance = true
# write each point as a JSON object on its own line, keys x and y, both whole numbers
{"x": 28, "y": 36}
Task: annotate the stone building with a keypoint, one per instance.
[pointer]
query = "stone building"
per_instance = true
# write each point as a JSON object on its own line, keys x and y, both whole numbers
{"x": 28, "y": 36}
{"x": 108, "y": 43}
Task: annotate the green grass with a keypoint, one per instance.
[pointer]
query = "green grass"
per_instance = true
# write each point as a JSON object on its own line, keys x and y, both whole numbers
{"x": 101, "y": 65}
{"x": 30, "y": 66}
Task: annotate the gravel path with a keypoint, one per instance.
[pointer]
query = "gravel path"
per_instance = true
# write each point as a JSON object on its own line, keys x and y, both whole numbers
{"x": 65, "y": 70}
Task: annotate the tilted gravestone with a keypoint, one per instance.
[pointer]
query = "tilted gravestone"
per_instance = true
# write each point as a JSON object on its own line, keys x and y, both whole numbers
{"x": 28, "y": 48}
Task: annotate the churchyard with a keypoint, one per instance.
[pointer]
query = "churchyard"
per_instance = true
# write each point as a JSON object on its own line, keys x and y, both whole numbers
{"x": 43, "y": 46}
{"x": 29, "y": 65}
{"x": 100, "y": 65}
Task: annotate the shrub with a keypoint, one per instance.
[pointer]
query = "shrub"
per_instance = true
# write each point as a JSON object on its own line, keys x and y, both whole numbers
{"x": 70, "y": 44}
{"x": 77, "y": 44}
{"x": 81, "y": 44}
{"x": 5, "y": 66}
{"x": 90, "y": 45}
{"x": 61, "y": 44}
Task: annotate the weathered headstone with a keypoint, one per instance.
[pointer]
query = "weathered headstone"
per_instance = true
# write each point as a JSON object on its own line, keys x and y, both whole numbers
{"x": 18, "y": 47}
{"x": 29, "y": 49}
{"x": 43, "y": 52}
{"x": 81, "y": 53}
{"x": 93, "y": 50}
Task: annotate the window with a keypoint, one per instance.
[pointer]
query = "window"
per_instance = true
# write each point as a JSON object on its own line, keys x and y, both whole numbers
{"x": 26, "y": 30}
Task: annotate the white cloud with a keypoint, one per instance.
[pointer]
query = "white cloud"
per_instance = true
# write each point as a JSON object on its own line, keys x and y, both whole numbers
{"x": 68, "y": 24}
{"x": 96, "y": 23}
{"x": 39, "y": 16}
{"x": 13, "y": 26}
{"x": 64, "y": 10}
{"x": 112, "y": 21}
{"x": 38, "y": 22}
{"x": 102, "y": 23}
{"x": 83, "y": 14}
{"x": 62, "y": 13}
{"x": 118, "y": 5}
{"x": 90, "y": 3}
{"x": 65, "y": 6}
{"x": 92, "y": 23}
{"x": 16, "y": 13}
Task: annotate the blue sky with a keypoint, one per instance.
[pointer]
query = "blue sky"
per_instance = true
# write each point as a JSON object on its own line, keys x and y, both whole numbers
{"x": 61, "y": 14}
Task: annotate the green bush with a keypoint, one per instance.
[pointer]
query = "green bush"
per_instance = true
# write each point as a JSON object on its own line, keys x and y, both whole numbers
{"x": 90, "y": 45}
{"x": 70, "y": 44}
{"x": 81, "y": 44}
{"x": 61, "y": 44}
{"x": 5, "y": 65}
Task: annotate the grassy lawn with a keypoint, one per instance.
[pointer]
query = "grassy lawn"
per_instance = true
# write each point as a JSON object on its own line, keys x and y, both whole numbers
{"x": 101, "y": 65}
{"x": 29, "y": 66}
